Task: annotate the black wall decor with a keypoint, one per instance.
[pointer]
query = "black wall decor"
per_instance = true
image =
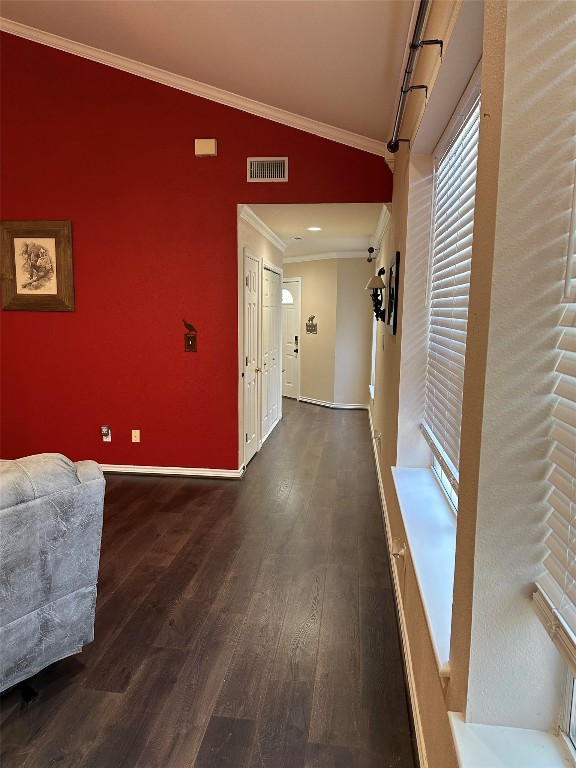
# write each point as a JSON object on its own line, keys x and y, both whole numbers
{"x": 311, "y": 326}
{"x": 190, "y": 337}
{"x": 393, "y": 277}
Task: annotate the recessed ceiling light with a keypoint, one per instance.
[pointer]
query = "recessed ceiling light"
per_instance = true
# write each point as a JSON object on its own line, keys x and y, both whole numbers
{"x": 315, "y": 229}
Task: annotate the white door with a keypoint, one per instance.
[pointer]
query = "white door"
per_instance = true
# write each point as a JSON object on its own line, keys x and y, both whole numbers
{"x": 275, "y": 349}
{"x": 270, "y": 350}
{"x": 291, "y": 292}
{"x": 251, "y": 351}
{"x": 266, "y": 333}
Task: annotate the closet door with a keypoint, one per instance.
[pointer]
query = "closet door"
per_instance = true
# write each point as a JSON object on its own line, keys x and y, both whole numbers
{"x": 271, "y": 326}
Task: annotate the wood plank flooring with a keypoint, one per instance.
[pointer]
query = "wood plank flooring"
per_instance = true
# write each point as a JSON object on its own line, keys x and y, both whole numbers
{"x": 239, "y": 624}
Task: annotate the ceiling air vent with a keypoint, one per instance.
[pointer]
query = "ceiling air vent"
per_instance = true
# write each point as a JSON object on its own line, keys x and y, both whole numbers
{"x": 267, "y": 169}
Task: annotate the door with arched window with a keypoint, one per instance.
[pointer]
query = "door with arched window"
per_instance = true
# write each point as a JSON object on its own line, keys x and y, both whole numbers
{"x": 291, "y": 292}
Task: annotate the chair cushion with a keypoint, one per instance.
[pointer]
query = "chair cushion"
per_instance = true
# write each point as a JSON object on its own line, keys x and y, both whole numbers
{"x": 32, "y": 477}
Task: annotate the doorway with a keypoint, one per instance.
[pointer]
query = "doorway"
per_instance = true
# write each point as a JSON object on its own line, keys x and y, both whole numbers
{"x": 291, "y": 302}
{"x": 261, "y": 369}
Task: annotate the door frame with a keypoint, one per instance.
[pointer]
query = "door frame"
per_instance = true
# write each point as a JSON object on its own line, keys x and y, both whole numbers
{"x": 248, "y": 253}
{"x": 245, "y": 214}
{"x": 263, "y": 263}
{"x": 278, "y": 271}
{"x": 299, "y": 281}
{"x": 242, "y": 250}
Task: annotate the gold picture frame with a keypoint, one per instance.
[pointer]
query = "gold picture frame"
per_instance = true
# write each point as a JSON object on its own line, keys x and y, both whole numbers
{"x": 36, "y": 262}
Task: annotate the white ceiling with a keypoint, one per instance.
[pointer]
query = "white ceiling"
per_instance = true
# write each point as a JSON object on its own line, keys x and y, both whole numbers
{"x": 346, "y": 228}
{"x": 337, "y": 62}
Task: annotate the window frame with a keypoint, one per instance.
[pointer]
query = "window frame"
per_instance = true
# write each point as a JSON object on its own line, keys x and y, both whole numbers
{"x": 466, "y": 114}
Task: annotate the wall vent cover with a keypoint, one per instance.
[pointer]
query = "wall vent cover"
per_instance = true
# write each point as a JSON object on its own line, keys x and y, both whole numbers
{"x": 267, "y": 169}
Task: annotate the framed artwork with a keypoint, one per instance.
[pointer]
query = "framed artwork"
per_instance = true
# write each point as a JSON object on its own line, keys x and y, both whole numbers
{"x": 393, "y": 276}
{"x": 37, "y": 273}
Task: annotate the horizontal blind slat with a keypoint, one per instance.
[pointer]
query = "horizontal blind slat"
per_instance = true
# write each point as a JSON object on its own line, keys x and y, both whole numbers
{"x": 453, "y": 226}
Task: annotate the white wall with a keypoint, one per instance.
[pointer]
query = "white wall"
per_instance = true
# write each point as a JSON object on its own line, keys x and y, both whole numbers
{"x": 353, "y": 332}
{"x": 503, "y": 668}
{"x": 250, "y": 238}
{"x": 515, "y": 675}
{"x": 335, "y": 362}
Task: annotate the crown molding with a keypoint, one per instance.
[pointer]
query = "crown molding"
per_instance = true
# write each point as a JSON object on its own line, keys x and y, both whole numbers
{"x": 322, "y": 256}
{"x": 196, "y": 88}
{"x": 383, "y": 222}
{"x": 246, "y": 213}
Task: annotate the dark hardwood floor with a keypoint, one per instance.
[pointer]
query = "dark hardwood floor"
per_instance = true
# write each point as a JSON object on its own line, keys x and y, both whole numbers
{"x": 239, "y": 623}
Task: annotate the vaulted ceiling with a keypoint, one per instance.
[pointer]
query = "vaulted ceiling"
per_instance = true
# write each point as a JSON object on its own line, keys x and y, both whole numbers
{"x": 337, "y": 63}
{"x": 333, "y": 67}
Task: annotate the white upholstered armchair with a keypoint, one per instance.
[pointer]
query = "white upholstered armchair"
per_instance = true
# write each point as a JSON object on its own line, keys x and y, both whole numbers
{"x": 50, "y": 532}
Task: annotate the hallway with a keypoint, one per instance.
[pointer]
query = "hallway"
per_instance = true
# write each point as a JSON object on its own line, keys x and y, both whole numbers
{"x": 242, "y": 624}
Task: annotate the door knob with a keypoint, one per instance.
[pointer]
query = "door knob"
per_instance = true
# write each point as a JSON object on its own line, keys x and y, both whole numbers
{"x": 295, "y": 350}
{"x": 258, "y": 370}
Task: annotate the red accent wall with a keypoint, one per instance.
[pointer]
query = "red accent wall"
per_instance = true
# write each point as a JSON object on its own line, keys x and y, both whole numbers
{"x": 154, "y": 240}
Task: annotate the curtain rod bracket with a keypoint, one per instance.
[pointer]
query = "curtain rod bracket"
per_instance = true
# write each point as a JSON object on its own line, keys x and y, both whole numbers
{"x": 394, "y": 146}
{"x": 432, "y": 42}
{"x": 419, "y": 88}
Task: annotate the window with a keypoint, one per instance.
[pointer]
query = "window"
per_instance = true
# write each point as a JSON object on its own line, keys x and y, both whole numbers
{"x": 571, "y": 729}
{"x": 555, "y": 598}
{"x": 451, "y": 253}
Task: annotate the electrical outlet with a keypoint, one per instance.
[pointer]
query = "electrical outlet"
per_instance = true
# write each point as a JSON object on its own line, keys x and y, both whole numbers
{"x": 106, "y": 433}
{"x": 135, "y": 435}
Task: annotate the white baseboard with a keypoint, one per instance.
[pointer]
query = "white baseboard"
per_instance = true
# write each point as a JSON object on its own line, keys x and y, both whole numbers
{"x": 135, "y": 469}
{"x": 352, "y": 406}
{"x": 401, "y": 617}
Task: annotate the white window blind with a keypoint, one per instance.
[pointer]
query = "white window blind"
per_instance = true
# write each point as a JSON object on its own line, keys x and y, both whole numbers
{"x": 453, "y": 222}
{"x": 555, "y": 600}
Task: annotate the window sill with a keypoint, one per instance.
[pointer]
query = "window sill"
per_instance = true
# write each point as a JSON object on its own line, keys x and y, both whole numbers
{"x": 479, "y": 746}
{"x": 430, "y": 526}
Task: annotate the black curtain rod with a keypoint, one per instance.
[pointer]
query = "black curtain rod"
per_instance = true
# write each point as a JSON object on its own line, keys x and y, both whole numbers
{"x": 394, "y": 144}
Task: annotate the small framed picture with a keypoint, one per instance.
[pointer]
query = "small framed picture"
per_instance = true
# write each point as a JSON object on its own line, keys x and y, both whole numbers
{"x": 37, "y": 272}
{"x": 391, "y": 310}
